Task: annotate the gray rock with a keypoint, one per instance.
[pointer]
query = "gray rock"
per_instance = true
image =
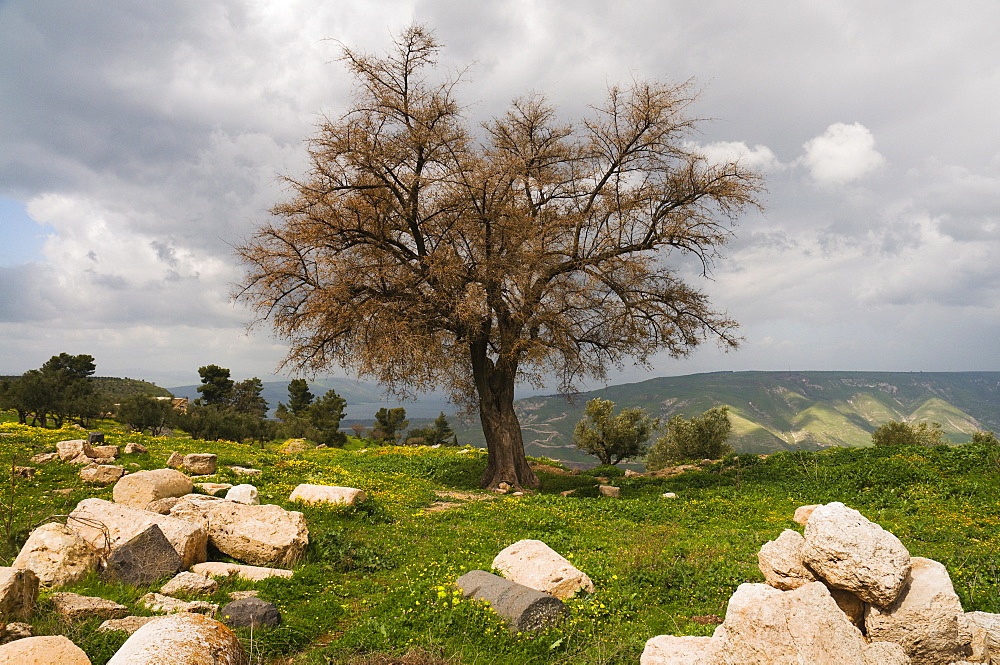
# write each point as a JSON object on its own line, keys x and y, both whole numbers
{"x": 144, "y": 558}
{"x": 524, "y": 608}
{"x": 250, "y": 612}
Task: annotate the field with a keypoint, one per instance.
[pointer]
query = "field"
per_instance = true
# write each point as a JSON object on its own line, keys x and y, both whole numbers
{"x": 376, "y": 587}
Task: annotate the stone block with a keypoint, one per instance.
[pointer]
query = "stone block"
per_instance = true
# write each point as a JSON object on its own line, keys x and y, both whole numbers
{"x": 43, "y": 649}
{"x": 250, "y": 612}
{"x": 524, "y": 608}
{"x": 143, "y": 559}
{"x": 57, "y": 555}
{"x": 143, "y": 487}
{"x": 18, "y": 592}
{"x": 534, "y": 564}
{"x": 327, "y": 493}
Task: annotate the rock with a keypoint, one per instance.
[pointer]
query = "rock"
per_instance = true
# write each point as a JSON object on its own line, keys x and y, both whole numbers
{"x": 73, "y": 606}
{"x": 294, "y": 446}
{"x": 886, "y": 653}
{"x": 57, "y": 555}
{"x": 43, "y": 458}
{"x": 42, "y": 650}
{"x": 243, "y": 494}
{"x": 212, "y": 488}
{"x": 800, "y": 626}
{"x": 780, "y": 561}
{"x": 143, "y": 487}
{"x": 14, "y": 630}
{"x": 156, "y": 602}
{"x": 101, "y": 474}
{"x": 850, "y": 605}
{"x": 95, "y": 437}
{"x": 257, "y": 535}
{"x": 18, "y": 592}
{"x": 849, "y": 552}
{"x": 105, "y": 525}
{"x": 132, "y": 447}
{"x": 237, "y": 595}
{"x": 926, "y": 619}
{"x": 200, "y": 464}
{"x": 70, "y": 450}
{"x": 24, "y": 471}
{"x": 175, "y": 461}
{"x": 105, "y": 452}
{"x": 747, "y": 594}
{"x": 536, "y": 565}
{"x": 190, "y": 639}
{"x": 163, "y": 506}
{"x": 243, "y": 471}
{"x": 669, "y": 495}
{"x": 251, "y": 613}
{"x": 985, "y": 628}
{"x": 250, "y": 573}
{"x": 327, "y": 493}
{"x": 143, "y": 558}
{"x": 193, "y": 508}
{"x": 802, "y": 513}
{"x": 610, "y": 490}
{"x": 523, "y": 607}
{"x": 674, "y": 650}
{"x": 128, "y": 624}
{"x": 190, "y": 583}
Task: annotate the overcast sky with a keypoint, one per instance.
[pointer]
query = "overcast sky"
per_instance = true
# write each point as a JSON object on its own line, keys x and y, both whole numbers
{"x": 139, "y": 141}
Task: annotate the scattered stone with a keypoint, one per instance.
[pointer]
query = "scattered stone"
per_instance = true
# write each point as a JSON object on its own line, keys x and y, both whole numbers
{"x": 802, "y": 513}
{"x": 24, "y": 471}
{"x": 95, "y": 437}
{"x": 610, "y": 490}
{"x": 43, "y": 649}
{"x": 257, "y": 535}
{"x": 523, "y": 607}
{"x": 73, "y": 606}
{"x": 327, "y": 493}
{"x": 669, "y": 495}
{"x": 143, "y": 487}
{"x": 164, "y": 505}
{"x": 250, "y": 573}
{"x": 251, "y": 612}
{"x": 175, "y": 461}
{"x": 780, "y": 561}
{"x": 503, "y": 488}
{"x": 44, "y": 458}
{"x": 213, "y": 488}
{"x": 57, "y": 555}
{"x": 133, "y": 447}
{"x": 747, "y": 594}
{"x": 567, "y": 493}
{"x": 193, "y": 508}
{"x": 200, "y": 464}
{"x": 629, "y": 473}
{"x": 675, "y": 650}
{"x": 143, "y": 559}
{"x": 105, "y": 525}
{"x": 14, "y": 630}
{"x": 243, "y": 494}
{"x": 536, "y": 565}
{"x": 243, "y": 471}
{"x": 294, "y": 446}
{"x": 188, "y": 638}
{"x": 237, "y": 595}
{"x": 18, "y": 592}
{"x": 128, "y": 624}
{"x": 190, "y": 583}
{"x": 101, "y": 474}
{"x": 985, "y": 628}
{"x": 887, "y": 653}
{"x": 849, "y": 552}
{"x": 156, "y": 602}
{"x": 926, "y": 619}
{"x": 70, "y": 450}
{"x": 105, "y": 451}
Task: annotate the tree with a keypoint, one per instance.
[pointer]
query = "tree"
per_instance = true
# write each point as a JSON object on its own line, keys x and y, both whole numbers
{"x": 216, "y": 387}
{"x": 245, "y": 397}
{"x": 143, "y": 412}
{"x": 325, "y": 415}
{"x": 610, "y": 438}
{"x": 60, "y": 389}
{"x": 702, "y": 437}
{"x": 895, "y": 433}
{"x": 389, "y": 423}
{"x": 299, "y": 397}
{"x": 439, "y": 433}
{"x": 421, "y": 253}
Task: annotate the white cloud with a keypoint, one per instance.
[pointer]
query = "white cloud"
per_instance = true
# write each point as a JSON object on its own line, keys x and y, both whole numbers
{"x": 841, "y": 154}
{"x": 759, "y": 157}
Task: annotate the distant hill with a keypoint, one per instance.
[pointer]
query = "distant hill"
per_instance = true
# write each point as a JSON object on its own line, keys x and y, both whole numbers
{"x": 774, "y": 411}
{"x": 118, "y": 389}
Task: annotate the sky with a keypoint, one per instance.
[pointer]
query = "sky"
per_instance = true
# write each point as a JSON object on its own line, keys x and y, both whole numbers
{"x": 141, "y": 141}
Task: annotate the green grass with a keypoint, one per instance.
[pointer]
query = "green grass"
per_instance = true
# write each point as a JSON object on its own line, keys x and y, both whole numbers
{"x": 377, "y": 579}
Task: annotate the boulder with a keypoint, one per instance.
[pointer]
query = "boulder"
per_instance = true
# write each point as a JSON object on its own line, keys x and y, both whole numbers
{"x": 534, "y": 564}
{"x": 42, "y": 458}
{"x": 132, "y": 447}
{"x": 849, "y": 552}
{"x": 250, "y": 573}
{"x": 143, "y": 559}
{"x": 57, "y": 555}
{"x": 610, "y": 490}
{"x": 74, "y": 448}
{"x": 244, "y": 471}
{"x": 327, "y": 493}
{"x": 523, "y": 607}
{"x": 143, "y": 487}
{"x": 73, "y": 606}
{"x": 188, "y": 638}
{"x": 101, "y": 474}
{"x": 213, "y": 488}
{"x": 926, "y": 619}
{"x": 18, "y": 592}
{"x": 251, "y": 612}
{"x": 43, "y": 650}
{"x": 194, "y": 508}
{"x": 14, "y": 630}
{"x": 163, "y": 506}
{"x": 886, "y": 653}
{"x": 985, "y": 628}
{"x": 95, "y": 437}
{"x": 175, "y": 461}
{"x": 243, "y": 494}
{"x": 257, "y": 535}
{"x": 157, "y": 602}
{"x": 677, "y": 650}
{"x": 780, "y": 561}
{"x": 800, "y": 626}
{"x": 189, "y": 583}
{"x": 128, "y": 624}
{"x": 747, "y": 594}
{"x": 105, "y": 451}
{"x": 200, "y": 464}
{"x": 105, "y": 525}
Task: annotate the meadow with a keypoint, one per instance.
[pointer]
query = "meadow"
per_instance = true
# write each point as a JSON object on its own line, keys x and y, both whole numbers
{"x": 376, "y": 587}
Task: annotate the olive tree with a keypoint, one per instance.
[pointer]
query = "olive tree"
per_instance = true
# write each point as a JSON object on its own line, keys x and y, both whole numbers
{"x": 613, "y": 438}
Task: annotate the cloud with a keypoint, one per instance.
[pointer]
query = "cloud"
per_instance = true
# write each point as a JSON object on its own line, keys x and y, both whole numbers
{"x": 759, "y": 157}
{"x": 841, "y": 154}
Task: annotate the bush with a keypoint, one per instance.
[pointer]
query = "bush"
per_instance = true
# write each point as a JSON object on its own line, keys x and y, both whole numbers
{"x": 702, "y": 437}
{"x": 902, "y": 434}
{"x": 612, "y": 439}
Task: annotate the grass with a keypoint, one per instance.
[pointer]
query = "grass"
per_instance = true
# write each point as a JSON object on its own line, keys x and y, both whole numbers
{"x": 376, "y": 585}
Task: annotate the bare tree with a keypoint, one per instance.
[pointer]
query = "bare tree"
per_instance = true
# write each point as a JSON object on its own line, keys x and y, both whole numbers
{"x": 421, "y": 253}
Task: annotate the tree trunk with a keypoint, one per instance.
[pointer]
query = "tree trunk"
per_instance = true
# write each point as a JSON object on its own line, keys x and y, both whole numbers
{"x": 506, "y": 462}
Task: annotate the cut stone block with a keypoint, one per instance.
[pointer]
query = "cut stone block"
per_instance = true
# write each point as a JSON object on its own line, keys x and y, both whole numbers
{"x": 534, "y": 564}
{"x": 73, "y": 606}
{"x": 524, "y": 608}
{"x": 327, "y": 493}
{"x": 143, "y": 559}
{"x": 251, "y": 573}
{"x": 143, "y": 487}
{"x": 57, "y": 555}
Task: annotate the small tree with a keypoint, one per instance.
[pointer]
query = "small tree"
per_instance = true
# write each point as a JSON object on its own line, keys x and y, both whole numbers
{"x": 299, "y": 396}
{"x": 895, "y": 433}
{"x": 216, "y": 387}
{"x": 702, "y": 437}
{"x": 142, "y": 412}
{"x": 246, "y": 397}
{"x": 359, "y": 429}
{"x": 438, "y": 433}
{"x": 325, "y": 415}
{"x": 611, "y": 438}
{"x": 389, "y": 423}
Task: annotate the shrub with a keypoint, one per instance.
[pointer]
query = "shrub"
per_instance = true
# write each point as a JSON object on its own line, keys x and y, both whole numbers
{"x": 702, "y": 437}
{"x": 895, "y": 433}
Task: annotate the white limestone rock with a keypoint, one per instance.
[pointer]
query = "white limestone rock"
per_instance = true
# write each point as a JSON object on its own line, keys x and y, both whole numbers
{"x": 43, "y": 650}
{"x": 143, "y": 487}
{"x": 802, "y": 513}
{"x": 188, "y": 638}
{"x": 157, "y": 602}
{"x": 200, "y": 464}
{"x": 101, "y": 474}
{"x": 18, "y": 593}
{"x": 985, "y": 628}
{"x": 780, "y": 561}
{"x": 678, "y": 650}
{"x": 536, "y": 565}
{"x": 249, "y": 573}
{"x": 57, "y": 555}
{"x": 307, "y": 493}
{"x": 74, "y": 448}
{"x": 244, "y": 493}
{"x": 191, "y": 583}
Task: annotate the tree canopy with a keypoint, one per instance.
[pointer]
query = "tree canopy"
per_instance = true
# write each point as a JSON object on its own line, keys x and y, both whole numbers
{"x": 421, "y": 252}
{"x": 613, "y": 438}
